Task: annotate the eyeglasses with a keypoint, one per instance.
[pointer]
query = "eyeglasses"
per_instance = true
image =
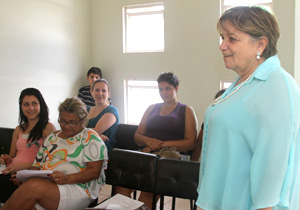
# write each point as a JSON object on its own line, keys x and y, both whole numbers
{"x": 64, "y": 123}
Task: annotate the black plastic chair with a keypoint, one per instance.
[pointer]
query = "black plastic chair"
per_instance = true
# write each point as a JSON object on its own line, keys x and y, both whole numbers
{"x": 5, "y": 139}
{"x": 131, "y": 169}
{"x": 178, "y": 179}
{"x": 124, "y": 138}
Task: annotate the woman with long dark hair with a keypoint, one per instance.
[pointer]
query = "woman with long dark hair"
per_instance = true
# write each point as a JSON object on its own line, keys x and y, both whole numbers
{"x": 28, "y": 136}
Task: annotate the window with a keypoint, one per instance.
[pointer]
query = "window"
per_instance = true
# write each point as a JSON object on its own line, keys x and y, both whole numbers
{"x": 225, "y": 84}
{"x": 139, "y": 95}
{"x": 143, "y": 28}
{"x": 227, "y": 4}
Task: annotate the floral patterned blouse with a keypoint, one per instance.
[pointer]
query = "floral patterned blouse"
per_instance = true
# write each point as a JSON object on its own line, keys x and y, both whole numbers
{"x": 71, "y": 155}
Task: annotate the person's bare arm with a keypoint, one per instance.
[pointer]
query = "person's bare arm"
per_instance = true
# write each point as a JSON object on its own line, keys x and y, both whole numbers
{"x": 13, "y": 146}
{"x": 105, "y": 122}
{"x": 49, "y": 128}
{"x": 17, "y": 167}
{"x": 197, "y": 151}
{"x": 34, "y": 168}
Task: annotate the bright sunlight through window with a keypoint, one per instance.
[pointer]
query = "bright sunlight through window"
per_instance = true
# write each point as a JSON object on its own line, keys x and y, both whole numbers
{"x": 143, "y": 28}
{"x": 227, "y": 4}
{"x": 139, "y": 95}
{"x": 225, "y": 84}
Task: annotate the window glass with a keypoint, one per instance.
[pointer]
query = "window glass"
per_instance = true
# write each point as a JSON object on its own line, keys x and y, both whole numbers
{"x": 227, "y": 4}
{"x": 143, "y": 28}
{"x": 225, "y": 84}
{"x": 139, "y": 95}
{"x": 245, "y": 2}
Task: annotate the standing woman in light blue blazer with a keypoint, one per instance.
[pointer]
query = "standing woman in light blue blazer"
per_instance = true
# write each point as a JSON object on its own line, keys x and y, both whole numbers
{"x": 251, "y": 143}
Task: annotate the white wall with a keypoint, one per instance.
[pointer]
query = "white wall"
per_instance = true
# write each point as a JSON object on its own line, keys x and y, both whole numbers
{"x": 297, "y": 42}
{"x": 50, "y": 44}
{"x": 191, "y": 49}
{"x": 43, "y": 44}
{"x": 285, "y": 14}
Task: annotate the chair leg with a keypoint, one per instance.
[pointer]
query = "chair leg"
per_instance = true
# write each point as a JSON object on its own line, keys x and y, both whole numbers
{"x": 161, "y": 205}
{"x": 173, "y": 203}
{"x": 195, "y": 206}
{"x": 92, "y": 204}
{"x": 113, "y": 190}
{"x": 191, "y": 204}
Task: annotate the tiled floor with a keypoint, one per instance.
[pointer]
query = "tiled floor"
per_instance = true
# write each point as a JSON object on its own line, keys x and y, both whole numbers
{"x": 181, "y": 204}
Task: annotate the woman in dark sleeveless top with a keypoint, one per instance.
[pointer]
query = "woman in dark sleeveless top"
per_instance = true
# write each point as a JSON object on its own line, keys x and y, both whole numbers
{"x": 167, "y": 124}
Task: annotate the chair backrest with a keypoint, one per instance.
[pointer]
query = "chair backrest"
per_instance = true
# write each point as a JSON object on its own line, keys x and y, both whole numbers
{"x": 5, "y": 139}
{"x": 131, "y": 169}
{"x": 178, "y": 178}
{"x": 125, "y": 137}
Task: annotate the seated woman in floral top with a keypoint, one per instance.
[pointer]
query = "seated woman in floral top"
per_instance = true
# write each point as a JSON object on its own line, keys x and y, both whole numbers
{"x": 77, "y": 157}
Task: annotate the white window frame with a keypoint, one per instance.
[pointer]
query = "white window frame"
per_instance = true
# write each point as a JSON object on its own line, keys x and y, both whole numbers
{"x": 224, "y": 84}
{"x": 143, "y": 10}
{"x": 263, "y": 3}
{"x": 131, "y": 83}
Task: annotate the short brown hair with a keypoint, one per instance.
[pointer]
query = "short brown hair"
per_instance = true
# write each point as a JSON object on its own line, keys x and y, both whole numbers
{"x": 256, "y": 22}
{"x": 168, "y": 77}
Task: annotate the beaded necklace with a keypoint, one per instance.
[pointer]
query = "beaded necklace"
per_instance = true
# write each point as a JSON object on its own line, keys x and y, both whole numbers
{"x": 217, "y": 101}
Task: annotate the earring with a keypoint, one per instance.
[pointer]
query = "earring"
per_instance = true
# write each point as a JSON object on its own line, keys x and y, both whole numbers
{"x": 258, "y": 56}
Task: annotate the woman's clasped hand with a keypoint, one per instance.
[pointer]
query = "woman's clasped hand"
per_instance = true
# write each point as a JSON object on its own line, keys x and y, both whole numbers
{"x": 59, "y": 177}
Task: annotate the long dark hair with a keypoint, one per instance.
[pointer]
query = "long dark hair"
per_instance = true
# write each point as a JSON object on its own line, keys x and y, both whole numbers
{"x": 37, "y": 131}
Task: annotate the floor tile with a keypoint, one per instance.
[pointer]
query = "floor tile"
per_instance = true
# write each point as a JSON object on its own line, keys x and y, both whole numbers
{"x": 181, "y": 204}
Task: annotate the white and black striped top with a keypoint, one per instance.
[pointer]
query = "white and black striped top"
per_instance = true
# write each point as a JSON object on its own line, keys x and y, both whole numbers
{"x": 85, "y": 96}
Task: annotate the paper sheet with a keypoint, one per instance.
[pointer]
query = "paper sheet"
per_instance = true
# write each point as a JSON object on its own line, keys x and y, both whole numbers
{"x": 119, "y": 201}
{"x": 23, "y": 175}
{"x": 2, "y": 167}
